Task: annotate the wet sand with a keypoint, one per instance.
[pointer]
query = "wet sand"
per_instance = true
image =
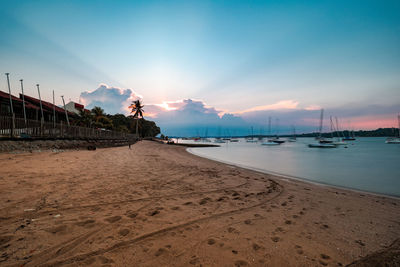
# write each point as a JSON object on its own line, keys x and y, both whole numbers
{"x": 158, "y": 205}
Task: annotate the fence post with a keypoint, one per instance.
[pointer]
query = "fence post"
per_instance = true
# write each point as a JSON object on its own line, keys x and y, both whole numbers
{"x": 12, "y": 125}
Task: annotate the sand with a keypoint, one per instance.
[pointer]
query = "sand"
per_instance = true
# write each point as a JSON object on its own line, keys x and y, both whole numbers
{"x": 158, "y": 205}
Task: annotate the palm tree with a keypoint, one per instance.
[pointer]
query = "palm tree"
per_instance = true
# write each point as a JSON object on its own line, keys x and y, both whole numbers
{"x": 97, "y": 112}
{"x": 137, "y": 108}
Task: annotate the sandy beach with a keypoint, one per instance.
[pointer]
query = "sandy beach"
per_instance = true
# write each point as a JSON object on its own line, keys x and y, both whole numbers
{"x": 158, "y": 205}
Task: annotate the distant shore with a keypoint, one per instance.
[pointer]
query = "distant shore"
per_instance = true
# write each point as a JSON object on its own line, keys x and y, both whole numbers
{"x": 158, "y": 205}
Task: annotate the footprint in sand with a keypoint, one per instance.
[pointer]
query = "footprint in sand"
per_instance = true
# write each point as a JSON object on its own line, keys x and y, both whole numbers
{"x": 211, "y": 241}
{"x": 204, "y": 200}
{"x": 160, "y": 251}
{"x": 123, "y": 232}
{"x": 132, "y": 215}
{"x": 241, "y": 263}
{"x": 87, "y": 223}
{"x": 256, "y": 246}
{"x": 57, "y": 230}
{"x": 194, "y": 261}
{"x": 152, "y": 213}
{"x": 89, "y": 261}
{"x": 105, "y": 260}
{"x": 324, "y": 256}
{"x": 247, "y": 221}
{"x": 113, "y": 219}
{"x": 233, "y": 230}
{"x": 275, "y": 238}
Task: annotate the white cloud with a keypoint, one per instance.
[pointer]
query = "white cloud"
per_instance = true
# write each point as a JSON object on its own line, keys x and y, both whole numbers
{"x": 111, "y": 99}
{"x": 194, "y": 117}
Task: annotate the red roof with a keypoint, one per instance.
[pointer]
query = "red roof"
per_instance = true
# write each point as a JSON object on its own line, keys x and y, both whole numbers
{"x": 14, "y": 98}
{"x": 46, "y": 105}
{"x": 78, "y": 106}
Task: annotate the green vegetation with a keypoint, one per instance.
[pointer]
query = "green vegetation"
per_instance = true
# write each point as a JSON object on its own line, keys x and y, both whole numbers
{"x": 381, "y": 132}
{"x": 97, "y": 118}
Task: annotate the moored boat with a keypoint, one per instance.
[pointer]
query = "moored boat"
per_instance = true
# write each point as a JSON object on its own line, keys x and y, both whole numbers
{"x": 394, "y": 140}
{"x": 321, "y": 145}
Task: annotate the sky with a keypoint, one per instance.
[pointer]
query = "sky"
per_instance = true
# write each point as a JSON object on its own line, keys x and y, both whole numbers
{"x": 211, "y": 66}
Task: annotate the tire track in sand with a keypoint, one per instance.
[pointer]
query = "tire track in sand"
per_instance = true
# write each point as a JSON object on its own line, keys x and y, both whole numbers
{"x": 276, "y": 188}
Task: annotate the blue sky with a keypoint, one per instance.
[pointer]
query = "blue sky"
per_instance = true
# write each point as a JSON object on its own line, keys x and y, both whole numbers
{"x": 230, "y": 55}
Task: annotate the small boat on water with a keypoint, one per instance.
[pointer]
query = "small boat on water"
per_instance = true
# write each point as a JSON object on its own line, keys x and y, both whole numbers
{"x": 268, "y": 143}
{"x": 251, "y": 138}
{"x": 339, "y": 143}
{"x": 219, "y": 141}
{"x": 339, "y": 133}
{"x": 277, "y": 140}
{"x": 394, "y": 140}
{"x": 234, "y": 140}
{"x": 325, "y": 140}
{"x": 322, "y": 142}
{"x": 293, "y": 138}
{"x": 321, "y": 145}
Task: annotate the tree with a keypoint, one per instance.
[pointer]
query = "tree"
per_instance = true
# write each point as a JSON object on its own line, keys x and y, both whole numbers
{"x": 97, "y": 112}
{"x": 137, "y": 110}
{"x": 85, "y": 119}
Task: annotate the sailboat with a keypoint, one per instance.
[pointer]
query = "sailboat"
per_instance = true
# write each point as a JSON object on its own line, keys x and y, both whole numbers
{"x": 269, "y": 141}
{"x": 323, "y": 143}
{"x": 205, "y": 138}
{"x": 251, "y": 139}
{"x": 338, "y": 142}
{"x": 276, "y": 139}
{"x": 293, "y": 138}
{"x": 350, "y": 136}
{"x": 394, "y": 140}
{"x": 218, "y": 139}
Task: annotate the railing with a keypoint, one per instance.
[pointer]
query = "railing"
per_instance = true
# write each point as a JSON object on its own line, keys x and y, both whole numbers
{"x": 16, "y": 127}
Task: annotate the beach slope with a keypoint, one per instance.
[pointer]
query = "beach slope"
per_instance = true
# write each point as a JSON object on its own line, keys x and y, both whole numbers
{"x": 158, "y": 205}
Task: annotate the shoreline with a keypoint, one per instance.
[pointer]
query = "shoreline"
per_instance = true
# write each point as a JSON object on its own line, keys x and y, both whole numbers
{"x": 296, "y": 178}
{"x": 159, "y": 205}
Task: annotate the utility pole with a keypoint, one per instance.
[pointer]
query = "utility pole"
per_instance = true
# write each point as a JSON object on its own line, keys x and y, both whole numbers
{"x": 23, "y": 101}
{"x": 40, "y": 102}
{"x": 11, "y": 105}
{"x": 9, "y": 92}
{"x": 66, "y": 114}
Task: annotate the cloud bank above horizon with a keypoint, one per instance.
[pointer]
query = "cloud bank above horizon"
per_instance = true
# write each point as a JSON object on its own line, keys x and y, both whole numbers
{"x": 189, "y": 117}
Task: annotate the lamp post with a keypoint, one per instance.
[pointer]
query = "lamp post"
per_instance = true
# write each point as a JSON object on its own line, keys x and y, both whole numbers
{"x": 11, "y": 105}
{"x": 40, "y": 102}
{"x": 23, "y": 101}
{"x": 9, "y": 92}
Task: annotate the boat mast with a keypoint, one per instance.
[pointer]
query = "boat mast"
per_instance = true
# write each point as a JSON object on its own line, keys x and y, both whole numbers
{"x": 332, "y": 126}
{"x": 320, "y": 123}
{"x": 398, "y": 120}
{"x": 269, "y": 126}
{"x": 338, "y": 129}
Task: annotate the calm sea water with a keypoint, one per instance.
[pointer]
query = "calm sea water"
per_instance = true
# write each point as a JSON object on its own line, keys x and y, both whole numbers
{"x": 367, "y": 164}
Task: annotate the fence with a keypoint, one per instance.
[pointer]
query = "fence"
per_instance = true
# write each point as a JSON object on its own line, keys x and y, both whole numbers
{"x": 17, "y": 127}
